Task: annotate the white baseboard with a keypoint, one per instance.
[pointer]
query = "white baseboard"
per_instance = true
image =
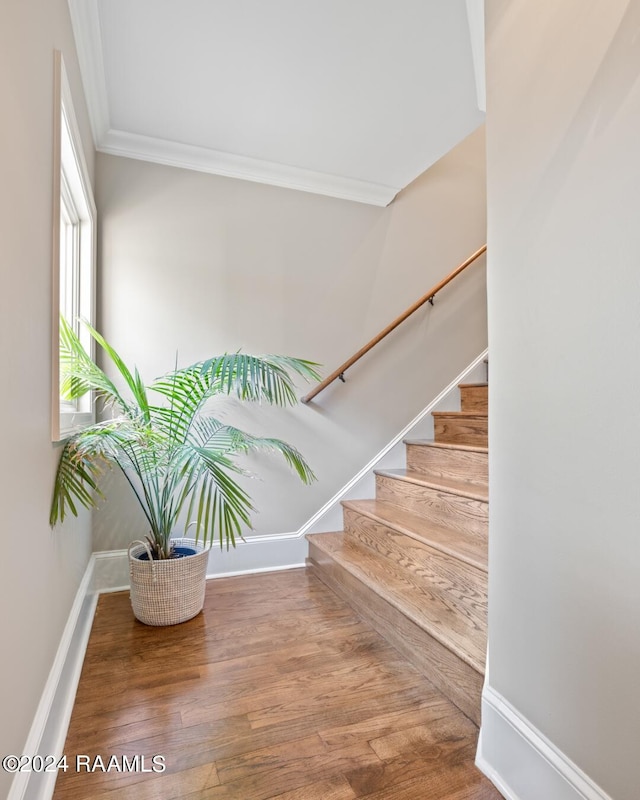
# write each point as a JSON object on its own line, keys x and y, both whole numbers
{"x": 253, "y": 555}
{"x": 49, "y": 727}
{"x": 259, "y": 554}
{"x": 522, "y": 763}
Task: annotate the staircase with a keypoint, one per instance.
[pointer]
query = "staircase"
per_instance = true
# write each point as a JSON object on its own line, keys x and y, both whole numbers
{"x": 413, "y": 562}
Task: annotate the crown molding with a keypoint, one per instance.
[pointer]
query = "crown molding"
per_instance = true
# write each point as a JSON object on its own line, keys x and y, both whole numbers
{"x": 85, "y": 21}
{"x": 216, "y": 162}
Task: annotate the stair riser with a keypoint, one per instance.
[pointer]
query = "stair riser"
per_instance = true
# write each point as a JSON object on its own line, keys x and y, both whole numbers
{"x": 424, "y": 606}
{"x": 463, "y": 587}
{"x": 460, "y": 513}
{"x": 444, "y": 463}
{"x": 474, "y": 398}
{"x": 470, "y": 550}
{"x": 455, "y": 679}
{"x": 458, "y": 430}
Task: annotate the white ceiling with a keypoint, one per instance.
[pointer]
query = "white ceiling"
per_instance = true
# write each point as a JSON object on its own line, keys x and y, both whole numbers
{"x": 350, "y": 98}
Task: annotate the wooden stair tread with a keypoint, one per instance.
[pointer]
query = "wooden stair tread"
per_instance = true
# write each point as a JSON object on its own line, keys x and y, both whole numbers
{"x": 427, "y": 610}
{"x": 461, "y": 488}
{"x": 472, "y": 448}
{"x": 467, "y": 385}
{"x": 465, "y": 547}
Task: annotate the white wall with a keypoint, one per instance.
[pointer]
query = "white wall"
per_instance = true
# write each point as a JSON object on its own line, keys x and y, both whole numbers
{"x": 204, "y": 264}
{"x": 563, "y": 122}
{"x": 40, "y": 569}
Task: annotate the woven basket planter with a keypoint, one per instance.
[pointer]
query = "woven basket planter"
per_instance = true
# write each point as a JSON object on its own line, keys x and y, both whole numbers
{"x": 168, "y": 591}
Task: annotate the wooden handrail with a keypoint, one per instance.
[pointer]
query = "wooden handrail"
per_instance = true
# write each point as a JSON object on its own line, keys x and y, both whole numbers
{"x": 428, "y": 297}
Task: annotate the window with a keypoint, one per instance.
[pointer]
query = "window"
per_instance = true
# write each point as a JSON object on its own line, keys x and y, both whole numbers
{"x": 74, "y": 227}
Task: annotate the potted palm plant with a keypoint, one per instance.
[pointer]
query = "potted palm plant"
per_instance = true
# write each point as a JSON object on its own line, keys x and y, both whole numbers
{"x": 179, "y": 460}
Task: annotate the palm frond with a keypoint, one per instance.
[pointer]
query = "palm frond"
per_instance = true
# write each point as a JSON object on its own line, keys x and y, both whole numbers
{"x": 79, "y": 374}
{"x": 133, "y": 381}
{"x": 174, "y": 455}
{"x": 227, "y": 439}
{"x": 292, "y": 456}
{"x": 249, "y": 377}
{"x": 76, "y": 477}
{"x": 216, "y": 501}
{"x": 187, "y": 391}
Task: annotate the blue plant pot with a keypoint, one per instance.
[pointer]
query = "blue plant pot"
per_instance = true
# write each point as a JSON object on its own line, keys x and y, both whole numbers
{"x": 178, "y": 552}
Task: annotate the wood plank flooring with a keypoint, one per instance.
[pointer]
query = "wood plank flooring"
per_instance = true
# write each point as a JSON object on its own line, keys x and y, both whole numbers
{"x": 278, "y": 690}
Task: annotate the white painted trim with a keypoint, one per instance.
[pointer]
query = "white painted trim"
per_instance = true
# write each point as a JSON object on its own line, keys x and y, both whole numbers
{"x": 110, "y": 572}
{"x": 258, "y": 554}
{"x": 51, "y": 721}
{"x": 68, "y": 110}
{"x": 491, "y": 774}
{"x": 216, "y": 162}
{"x": 404, "y": 433}
{"x": 69, "y": 164}
{"x": 217, "y": 575}
{"x": 521, "y": 762}
{"x": 85, "y": 21}
{"x": 251, "y": 556}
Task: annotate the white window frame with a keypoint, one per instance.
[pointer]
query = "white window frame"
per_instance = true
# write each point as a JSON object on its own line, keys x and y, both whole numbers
{"x": 74, "y": 259}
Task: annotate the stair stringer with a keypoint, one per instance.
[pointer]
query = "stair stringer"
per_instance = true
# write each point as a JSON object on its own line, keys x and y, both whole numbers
{"x": 393, "y": 455}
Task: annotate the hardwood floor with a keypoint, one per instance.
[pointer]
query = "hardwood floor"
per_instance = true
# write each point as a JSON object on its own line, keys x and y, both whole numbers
{"x": 277, "y": 690}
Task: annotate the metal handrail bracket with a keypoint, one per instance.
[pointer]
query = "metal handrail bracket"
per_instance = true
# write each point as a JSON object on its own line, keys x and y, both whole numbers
{"x": 426, "y": 298}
